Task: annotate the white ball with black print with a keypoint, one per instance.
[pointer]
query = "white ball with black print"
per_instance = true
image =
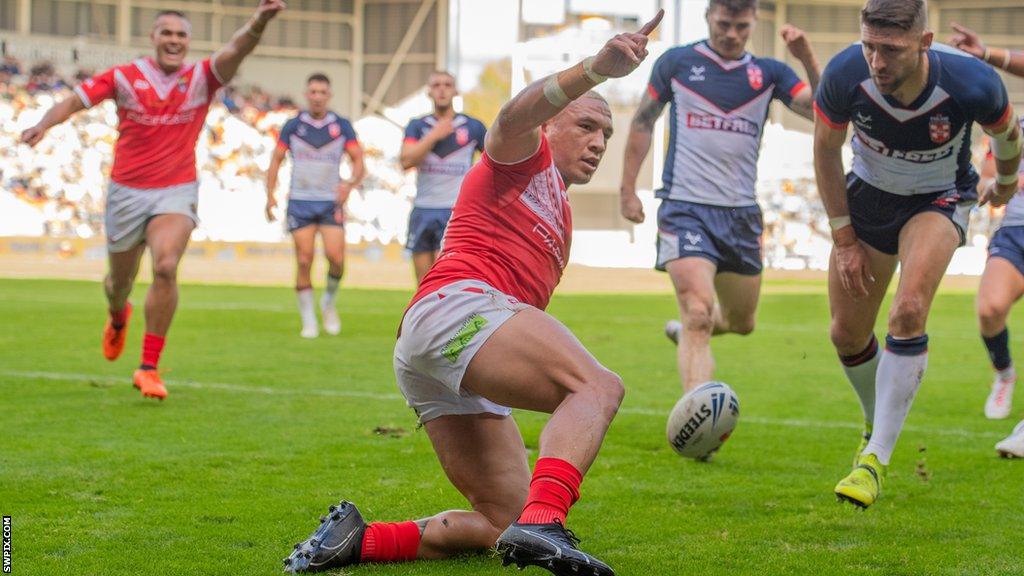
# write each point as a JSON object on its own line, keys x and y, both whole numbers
{"x": 703, "y": 420}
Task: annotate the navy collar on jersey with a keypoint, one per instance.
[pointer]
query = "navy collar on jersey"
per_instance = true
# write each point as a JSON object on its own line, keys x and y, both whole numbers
{"x": 704, "y": 48}
{"x": 306, "y": 117}
{"x": 457, "y": 120}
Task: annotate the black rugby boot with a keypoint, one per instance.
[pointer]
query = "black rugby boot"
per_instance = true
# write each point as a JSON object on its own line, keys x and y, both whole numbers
{"x": 550, "y": 546}
{"x": 337, "y": 542}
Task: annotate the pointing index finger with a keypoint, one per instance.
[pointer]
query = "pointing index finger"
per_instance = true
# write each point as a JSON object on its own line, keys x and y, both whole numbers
{"x": 650, "y": 26}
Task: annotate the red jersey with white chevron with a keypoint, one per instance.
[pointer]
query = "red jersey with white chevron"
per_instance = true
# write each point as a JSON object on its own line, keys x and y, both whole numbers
{"x": 511, "y": 228}
{"x": 160, "y": 119}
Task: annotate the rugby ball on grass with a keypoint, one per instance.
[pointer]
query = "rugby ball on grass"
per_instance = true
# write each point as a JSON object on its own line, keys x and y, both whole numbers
{"x": 702, "y": 420}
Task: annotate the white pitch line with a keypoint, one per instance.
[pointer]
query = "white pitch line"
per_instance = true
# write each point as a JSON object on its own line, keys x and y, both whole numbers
{"x": 382, "y": 396}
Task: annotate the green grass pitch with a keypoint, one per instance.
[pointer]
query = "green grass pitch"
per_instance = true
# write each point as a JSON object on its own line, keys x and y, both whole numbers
{"x": 262, "y": 430}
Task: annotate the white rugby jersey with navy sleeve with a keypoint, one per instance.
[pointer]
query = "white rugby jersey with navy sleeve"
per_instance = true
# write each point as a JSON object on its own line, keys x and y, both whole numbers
{"x": 922, "y": 148}
{"x": 439, "y": 176}
{"x": 717, "y": 115}
{"x": 317, "y": 148}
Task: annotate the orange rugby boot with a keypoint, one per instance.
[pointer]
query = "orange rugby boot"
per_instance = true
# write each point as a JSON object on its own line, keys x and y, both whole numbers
{"x": 113, "y": 338}
{"x": 149, "y": 382}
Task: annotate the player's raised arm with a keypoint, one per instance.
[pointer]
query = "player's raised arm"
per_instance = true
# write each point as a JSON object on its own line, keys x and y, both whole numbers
{"x": 1006, "y": 148}
{"x": 515, "y": 134}
{"x": 850, "y": 257}
{"x": 800, "y": 48}
{"x": 227, "y": 60}
{"x": 967, "y": 40}
{"x": 57, "y": 114}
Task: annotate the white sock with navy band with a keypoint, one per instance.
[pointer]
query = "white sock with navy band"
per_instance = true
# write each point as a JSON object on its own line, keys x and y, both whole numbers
{"x": 861, "y": 370}
{"x": 900, "y": 371}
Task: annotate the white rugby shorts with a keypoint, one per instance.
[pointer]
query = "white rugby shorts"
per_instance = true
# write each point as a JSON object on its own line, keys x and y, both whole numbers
{"x": 128, "y": 210}
{"x": 440, "y": 334}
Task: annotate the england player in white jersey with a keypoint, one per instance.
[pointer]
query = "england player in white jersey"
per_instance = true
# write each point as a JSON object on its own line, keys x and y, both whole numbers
{"x": 709, "y": 223}
{"x": 1002, "y": 283}
{"x": 318, "y": 140}
{"x": 441, "y": 147}
{"x": 912, "y": 104}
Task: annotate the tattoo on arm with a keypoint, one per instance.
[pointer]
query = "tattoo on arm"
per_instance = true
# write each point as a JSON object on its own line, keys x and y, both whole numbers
{"x": 423, "y": 525}
{"x": 647, "y": 114}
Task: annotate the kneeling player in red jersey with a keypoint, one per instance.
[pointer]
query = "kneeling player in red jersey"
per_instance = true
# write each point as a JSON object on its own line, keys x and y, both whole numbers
{"x": 475, "y": 343}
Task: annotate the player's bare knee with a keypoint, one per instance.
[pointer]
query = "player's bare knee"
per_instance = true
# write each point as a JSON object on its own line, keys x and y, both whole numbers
{"x": 610, "y": 390}
{"x": 165, "y": 269}
{"x": 742, "y": 326}
{"x": 698, "y": 316}
{"x": 908, "y": 317}
{"x": 846, "y": 340}
{"x": 991, "y": 313}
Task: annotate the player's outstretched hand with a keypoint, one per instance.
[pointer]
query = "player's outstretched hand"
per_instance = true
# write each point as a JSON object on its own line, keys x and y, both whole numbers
{"x": 267, "y": 9}
{"x": 854, "y": 272}
{"x": 32, "y": 135}
{"x": 967, "y": 40}
{"x": 997, "y": 194}
{"x": 631, "y": 207}
{"x": 624, "y": 52}
{"x": 796, "y": 42}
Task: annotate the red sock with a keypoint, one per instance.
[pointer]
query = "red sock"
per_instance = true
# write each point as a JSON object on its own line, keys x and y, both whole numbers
{"x": 554, "y": 488}
{"x": 390, "y": 542}
{"x": 119, "y": 318}
{"x": 152, "y": 346}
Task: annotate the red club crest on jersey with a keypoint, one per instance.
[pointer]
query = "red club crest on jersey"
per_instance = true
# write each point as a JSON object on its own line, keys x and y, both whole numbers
{"x": 755, "y": 76}
{"x": 334, "y": 130}
{"x": 462, "y": 136}
{"x": 939, "y": 128}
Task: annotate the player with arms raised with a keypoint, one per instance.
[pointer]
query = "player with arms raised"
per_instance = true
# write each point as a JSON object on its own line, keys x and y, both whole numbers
{"x": 151, "y": 201}
{"x": 906, "y": 201}
{"x": 475, "y": 343}
{"x": 318, "y": 139}
{"x": 440, "y": 146}
{"x": 709, "y": 223}
{"x": 1002, "y": 283}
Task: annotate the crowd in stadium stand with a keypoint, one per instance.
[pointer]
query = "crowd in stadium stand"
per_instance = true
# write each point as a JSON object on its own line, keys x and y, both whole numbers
{"x": 64, "y": 177}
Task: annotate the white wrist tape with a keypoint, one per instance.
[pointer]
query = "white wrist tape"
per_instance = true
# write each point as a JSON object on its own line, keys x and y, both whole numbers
{"x": 839, "y": 222}
{"x": 554, "y": 93}
{"x": 588, "y": 69}
{"x": 1006, "y": 179}
{"x": 1002, "y": 147}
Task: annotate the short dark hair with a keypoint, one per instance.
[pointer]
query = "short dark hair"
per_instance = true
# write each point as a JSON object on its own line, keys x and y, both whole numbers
{"x": 734, "y": 6}
{"x": 905, "y": 15}
{"x": 442, "y": 73}
{"x": 318, "y": 77}
{"x": 177, "y": 13}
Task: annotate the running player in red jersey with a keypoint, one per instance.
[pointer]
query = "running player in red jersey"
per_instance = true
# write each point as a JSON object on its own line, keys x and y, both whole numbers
{"x": 475, "y": 343}
{"x": 161, "y": 106}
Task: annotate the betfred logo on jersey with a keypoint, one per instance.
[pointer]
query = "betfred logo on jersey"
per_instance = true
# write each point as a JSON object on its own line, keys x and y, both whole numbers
{"x": 462, "y": 136}
{"x": 140, "y": 84}
{"x": 939, "y": 128}
{"x": 334, "y": 130}
{"x": 755, "y": 76}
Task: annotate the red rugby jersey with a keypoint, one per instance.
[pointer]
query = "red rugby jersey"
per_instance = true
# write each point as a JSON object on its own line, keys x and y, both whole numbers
{"x": 511, "y": 228}
{"x": 160, "y": 117}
